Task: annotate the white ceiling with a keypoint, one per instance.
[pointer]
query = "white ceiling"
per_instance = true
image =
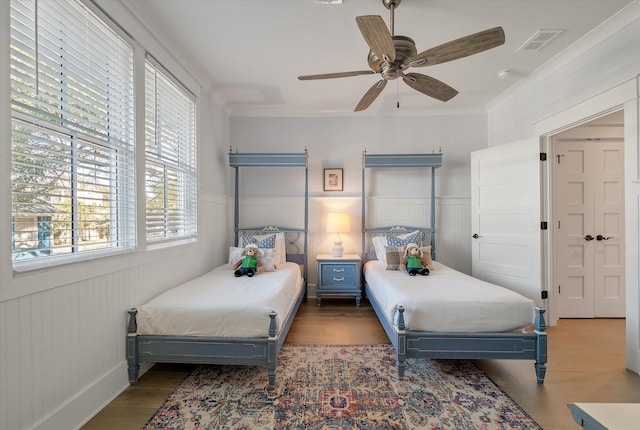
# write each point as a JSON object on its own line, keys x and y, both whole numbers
{"x": 251, "y": 51}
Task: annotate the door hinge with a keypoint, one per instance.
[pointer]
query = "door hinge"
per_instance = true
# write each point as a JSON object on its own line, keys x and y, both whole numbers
{"x": 543, "y": 156}
{"x": 544, "y": 294}
{"x": 543, "y": 225}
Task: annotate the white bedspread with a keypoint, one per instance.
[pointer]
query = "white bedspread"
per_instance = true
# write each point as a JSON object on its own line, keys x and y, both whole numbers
{"x": 448, "y": 301}
{"x": 220, "y": 305}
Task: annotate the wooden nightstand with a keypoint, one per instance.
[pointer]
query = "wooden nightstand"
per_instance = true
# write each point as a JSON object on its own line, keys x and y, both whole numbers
{"x": 339, "y": 276}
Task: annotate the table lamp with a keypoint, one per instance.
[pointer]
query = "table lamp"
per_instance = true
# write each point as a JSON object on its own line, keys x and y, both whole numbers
{"x": 338, "y": 222}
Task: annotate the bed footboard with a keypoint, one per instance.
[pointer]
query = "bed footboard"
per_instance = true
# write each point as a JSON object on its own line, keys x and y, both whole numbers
{"x": 513, "y": 346}
{"x": 204, "y": 350}
{"x": 412, "y": 344}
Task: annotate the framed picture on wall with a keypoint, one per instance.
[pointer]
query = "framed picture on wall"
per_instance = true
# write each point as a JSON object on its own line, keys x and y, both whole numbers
{"x": 333, "y": 179}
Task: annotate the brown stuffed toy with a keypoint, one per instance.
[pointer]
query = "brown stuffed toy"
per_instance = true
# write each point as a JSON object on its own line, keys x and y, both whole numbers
{"x": 249, "y": 263}
{"x": 414, "y": 261}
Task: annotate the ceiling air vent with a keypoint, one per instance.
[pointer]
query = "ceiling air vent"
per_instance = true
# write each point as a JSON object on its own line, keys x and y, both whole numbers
{"x": 539, "y": 40}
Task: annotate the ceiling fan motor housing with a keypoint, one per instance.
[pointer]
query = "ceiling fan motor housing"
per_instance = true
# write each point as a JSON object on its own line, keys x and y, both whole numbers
{"x": 389, "y": 3}
{"x": 405, "y": 49}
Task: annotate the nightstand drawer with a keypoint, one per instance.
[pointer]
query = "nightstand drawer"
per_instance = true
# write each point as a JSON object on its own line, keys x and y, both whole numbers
{"x": 339, "y": 274}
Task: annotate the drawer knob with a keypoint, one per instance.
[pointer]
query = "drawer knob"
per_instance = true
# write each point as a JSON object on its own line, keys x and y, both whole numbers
{"x": 338, "y": 279}
{"x": 338, "y": 270}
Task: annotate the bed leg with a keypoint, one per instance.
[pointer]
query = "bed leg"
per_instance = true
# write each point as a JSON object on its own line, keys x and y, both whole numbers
{"x": 132, "y": 347}
{"x": 272, "y": 350}
{"x": 541, "y": 345}
{"x": 401, "y": 347}
{"x": 272, "y": 377}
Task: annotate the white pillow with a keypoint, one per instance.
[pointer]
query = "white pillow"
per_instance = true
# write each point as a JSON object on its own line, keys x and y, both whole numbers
{"x": 235, "y": 254}
{"x": 267, "y": 258}
{"x": 379, "y": 243}
{"x": 281, "y": 252}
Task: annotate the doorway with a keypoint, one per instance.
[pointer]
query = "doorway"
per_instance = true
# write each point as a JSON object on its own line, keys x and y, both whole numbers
{"x": 588, "y": 223}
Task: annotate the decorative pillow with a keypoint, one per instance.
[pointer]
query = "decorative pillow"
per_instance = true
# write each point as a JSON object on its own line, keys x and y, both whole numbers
{"x": 394, "y": 256}
{"x": 265, "y": 241}
{"x": 281, "y": 249}
{"x": 426, "y": 254}
{"x": 267, "y": 258}
{"x": 403, "y": 240}
{"x": 279, "y": 244}
{"x": 235, "y": 254}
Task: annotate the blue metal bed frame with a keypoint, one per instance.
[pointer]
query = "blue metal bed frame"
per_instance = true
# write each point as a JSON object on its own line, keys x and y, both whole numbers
{"x": 415, "y": 344}
{"x": 231, "y": 350}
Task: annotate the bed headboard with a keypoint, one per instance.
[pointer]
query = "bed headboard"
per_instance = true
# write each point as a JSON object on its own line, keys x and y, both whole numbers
{"x": 426, "y": 236}
{"x": 296, "y": 238}
{"x": 432, "y": 161}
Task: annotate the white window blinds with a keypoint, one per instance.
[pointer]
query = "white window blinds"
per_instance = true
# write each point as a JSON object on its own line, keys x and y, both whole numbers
{"x": 72, "y": 133}
{"x": 170, "y": 157}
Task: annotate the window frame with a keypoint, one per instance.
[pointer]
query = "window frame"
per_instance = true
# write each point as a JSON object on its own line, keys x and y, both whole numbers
{"x": 176, "y": 161}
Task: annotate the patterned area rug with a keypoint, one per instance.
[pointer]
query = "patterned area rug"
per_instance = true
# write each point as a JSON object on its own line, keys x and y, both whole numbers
{"x": 341, "y": 387}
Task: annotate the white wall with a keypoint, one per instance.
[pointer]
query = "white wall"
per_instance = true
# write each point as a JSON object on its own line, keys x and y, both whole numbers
{"x": 596, "y": 75}
{"x": 62, "y": 346}
{"x": 339, "y": 142}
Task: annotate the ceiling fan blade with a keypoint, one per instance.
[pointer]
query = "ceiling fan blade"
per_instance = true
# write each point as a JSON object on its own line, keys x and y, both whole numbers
{"x": 459, "y": 48}
{"x": 377, "y": 36}
{"x": 370, "y": 95}
{"x": 336, "y": 75}
{"x": 430, "y": 86}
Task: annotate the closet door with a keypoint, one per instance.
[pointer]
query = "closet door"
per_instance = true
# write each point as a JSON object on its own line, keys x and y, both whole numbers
{"x": 505, "y": 213}
{"x": 589, "y": 228}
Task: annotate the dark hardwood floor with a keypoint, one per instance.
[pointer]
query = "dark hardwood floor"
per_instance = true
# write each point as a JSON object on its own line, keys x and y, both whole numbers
{"x": 586, "y": 364}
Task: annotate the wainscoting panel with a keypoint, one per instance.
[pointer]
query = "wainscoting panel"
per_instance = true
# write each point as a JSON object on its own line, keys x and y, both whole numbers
{"x": 453, "y": 223}
{"x": 62, "y": 350}
{"x": 453, "y": 217}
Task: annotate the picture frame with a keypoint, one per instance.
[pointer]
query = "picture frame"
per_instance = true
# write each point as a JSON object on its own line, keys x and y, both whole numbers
{"x": 333, "y": 179}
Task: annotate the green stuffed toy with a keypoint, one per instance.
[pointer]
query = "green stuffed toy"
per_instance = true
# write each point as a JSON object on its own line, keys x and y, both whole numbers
{"x": 414, "y": 261}
{"x": 249, "y": 264}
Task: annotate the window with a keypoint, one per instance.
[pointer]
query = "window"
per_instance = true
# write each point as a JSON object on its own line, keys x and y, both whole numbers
{"x": 170, "y": 157}
{"x": 72, "y": 134}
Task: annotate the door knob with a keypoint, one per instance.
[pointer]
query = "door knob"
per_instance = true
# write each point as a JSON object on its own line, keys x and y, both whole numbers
{"x": 476, "y": 235}
{"x": 588, "y": 238}
{"x": 601, "y": 237}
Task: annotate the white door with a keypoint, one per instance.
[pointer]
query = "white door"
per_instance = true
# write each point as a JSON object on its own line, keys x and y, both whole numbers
{"x": 589, "y": 228}
{"x": 505, "y": 213}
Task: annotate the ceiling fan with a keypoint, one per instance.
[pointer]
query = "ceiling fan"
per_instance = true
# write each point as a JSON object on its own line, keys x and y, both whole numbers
{"x": 391, "y": 55}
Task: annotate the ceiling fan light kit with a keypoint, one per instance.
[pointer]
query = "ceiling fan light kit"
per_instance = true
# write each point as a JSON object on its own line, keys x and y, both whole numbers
{"x": 390, "y": 55}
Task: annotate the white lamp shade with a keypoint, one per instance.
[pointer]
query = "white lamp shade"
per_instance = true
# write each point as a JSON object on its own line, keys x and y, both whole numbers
{"x": 338, "y": 222}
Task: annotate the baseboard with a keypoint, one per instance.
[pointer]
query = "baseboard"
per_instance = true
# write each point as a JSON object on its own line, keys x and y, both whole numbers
{"x": 88, "y": 402}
